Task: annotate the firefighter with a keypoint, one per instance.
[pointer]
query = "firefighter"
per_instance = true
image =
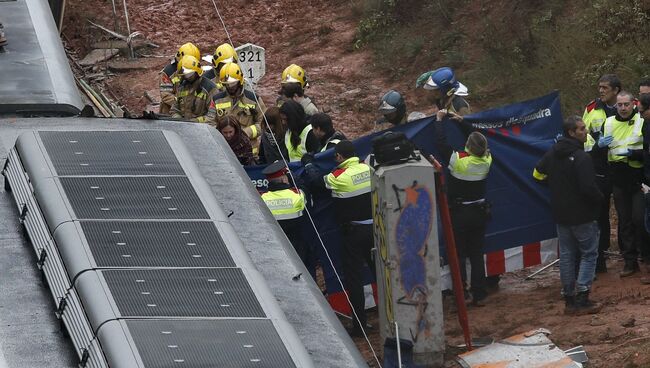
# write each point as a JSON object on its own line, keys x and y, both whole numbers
{"x": 595, "y": 114}
{"x": 469, "y": 209}
{"x": 194, "y": 94}
{"x": 393, "y": 110}
{"x": 446, "y": 92}
{"x": 287, "y": 204}
{"x": 294, "y": 82}
{"x": 169, "y": 78}
{"x": 242, "y": 103}
{"x": 223, "y": 55}
{"x": 622, "y": 134}
{"x": 349, "y": 184}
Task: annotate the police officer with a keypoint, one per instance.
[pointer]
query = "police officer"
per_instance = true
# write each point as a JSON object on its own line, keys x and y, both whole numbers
{"x": 594, "y": 116}
{"x": 223, "y": 55}
{"x": 323, "y": 129}
{"x": 195, "y": 92}
{"x": 287, "y": 204}
{"x": 350, "y": 188}
{"x": 239, "y": 102}
{"x": 466, "y": 192}
{"x": 293, "y": 85}
{"x": 393, "y": 110}
{"x": 623, "y": 135}
{"x": 446, "y": 92}
{"x": 169, "y": 78}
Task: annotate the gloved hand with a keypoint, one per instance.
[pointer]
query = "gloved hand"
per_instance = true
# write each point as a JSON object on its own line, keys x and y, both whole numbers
{"x": 307, "y": 158}
{"x": 168, "y": 98}
{"x": 605, "y": 141}
{"x": 422, "y": 79}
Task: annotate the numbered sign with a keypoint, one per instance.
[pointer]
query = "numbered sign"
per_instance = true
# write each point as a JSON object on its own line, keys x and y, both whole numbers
{"x": 252, "y": 62}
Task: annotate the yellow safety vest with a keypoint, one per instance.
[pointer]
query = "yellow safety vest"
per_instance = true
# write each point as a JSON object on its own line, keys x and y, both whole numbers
{"x": 295, "y": 153}
{"x": 594, "y": 121}
{"x": 285, "y": 204}
{"x": 334, "y": 141}
{"x": 469, "y": 167}
{"x": 627, "y": 136}
{"x": 350, "y": 179}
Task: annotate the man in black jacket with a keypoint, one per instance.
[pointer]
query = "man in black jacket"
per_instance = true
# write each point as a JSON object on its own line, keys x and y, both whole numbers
{"x": 575, "y": 203}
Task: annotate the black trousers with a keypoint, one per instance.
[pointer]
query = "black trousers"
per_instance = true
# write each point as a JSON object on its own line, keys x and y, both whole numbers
{"x": 630, "y": 208}
{"x": 358, "y": 241}
{"x": 605, "y": 185}
{"x": 294, "y": 230}
{"x": 468, "y": 222}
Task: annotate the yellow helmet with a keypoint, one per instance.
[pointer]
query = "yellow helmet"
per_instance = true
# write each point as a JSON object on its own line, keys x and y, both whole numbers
{"x": 225, "y": 53}
{"x": 294, "y": 74}
{"x": 189, "y": 64}
{"x": 188, "y": 49}
{"x": 231, "y": 73}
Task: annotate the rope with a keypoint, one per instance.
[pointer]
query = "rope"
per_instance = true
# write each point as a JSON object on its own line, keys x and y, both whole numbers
{"x": 311, "y": 220}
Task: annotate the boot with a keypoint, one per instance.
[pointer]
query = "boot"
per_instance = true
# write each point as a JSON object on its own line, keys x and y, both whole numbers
{"x": 569, "y": 305}
{"x": 585, "y": 306}
{"x": 629, "y": 269}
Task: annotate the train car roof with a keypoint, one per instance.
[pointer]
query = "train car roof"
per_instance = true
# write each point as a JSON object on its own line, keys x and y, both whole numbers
{"x": 299, "y": 298}
{"x": 36, "y": 78}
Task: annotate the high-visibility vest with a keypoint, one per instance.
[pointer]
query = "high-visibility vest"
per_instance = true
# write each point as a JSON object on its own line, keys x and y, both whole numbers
{"x": 628, "y": 135}
{"x": 468, "y": 167}
{"x": 295, "y": 153}
{"x": 333, "y": 141}
{"x": 350, "y": 179}
{"x": 594, "y": 118}
{"x": 285, "y": 204}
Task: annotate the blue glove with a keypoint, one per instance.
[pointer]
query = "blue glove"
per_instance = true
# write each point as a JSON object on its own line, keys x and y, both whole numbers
{"x": 422, "y": 79}
{"x": 605, "y": 141}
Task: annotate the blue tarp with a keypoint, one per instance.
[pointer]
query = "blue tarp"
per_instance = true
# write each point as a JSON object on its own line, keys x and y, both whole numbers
{"x": 518, "y": 135}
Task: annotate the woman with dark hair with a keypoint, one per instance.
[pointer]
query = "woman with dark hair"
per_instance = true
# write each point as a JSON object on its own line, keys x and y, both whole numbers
{"x": 299, "y": 139}
{"x": 272, "y": 147}
{"x": 237, "y": 140}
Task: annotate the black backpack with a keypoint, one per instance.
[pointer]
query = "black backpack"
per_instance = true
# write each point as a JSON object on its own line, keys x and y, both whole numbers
{"x": 392, "y": 148}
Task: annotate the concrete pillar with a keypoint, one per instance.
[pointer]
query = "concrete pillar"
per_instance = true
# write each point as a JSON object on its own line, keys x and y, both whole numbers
{"x": 407, "y": 258}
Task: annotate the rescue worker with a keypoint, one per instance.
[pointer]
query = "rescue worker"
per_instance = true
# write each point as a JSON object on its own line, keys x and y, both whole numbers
{"x": 287, "y": 204}
{"x": 195, "y": 92}
{"x": 594, "y": 116}
{"x": 644, "y": 87}
{"x": 294, "y": 82}
{"x": 242, "y": 103}
{"x": 623, "y": 135}
{"x": 323, "y": 129}
{"x": 299, "y": 137}
{"x": 169, "y": 78}
{"x": 393, "y": 110}
{"x": 223, "y": 55}
{"x": 446, "y": 92}
{"x": 350, "y": 188}
{"x": 469, "y": 209}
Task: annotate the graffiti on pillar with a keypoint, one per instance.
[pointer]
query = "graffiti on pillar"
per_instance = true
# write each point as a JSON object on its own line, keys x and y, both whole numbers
{"x": 381, "y": 243}
{"x": 414, "y": 224}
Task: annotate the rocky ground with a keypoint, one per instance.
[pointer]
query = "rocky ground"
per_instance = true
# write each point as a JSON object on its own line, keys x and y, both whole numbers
{"x": 319, "y": 35}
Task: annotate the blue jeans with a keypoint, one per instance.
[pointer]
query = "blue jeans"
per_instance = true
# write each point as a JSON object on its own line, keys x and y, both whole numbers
{"x": 578, "y": 242}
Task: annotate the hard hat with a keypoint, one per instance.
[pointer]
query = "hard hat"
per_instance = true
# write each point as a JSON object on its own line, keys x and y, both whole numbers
{"x": 231, "y": 73}
{"x": 391, "y": 102}
{"x": 442, "y": 79}
{"x": 188, "y": 49}
{"x": 294, "y": 74}
{"x": 224, "y": 53}
{"x": 188, "y": 65}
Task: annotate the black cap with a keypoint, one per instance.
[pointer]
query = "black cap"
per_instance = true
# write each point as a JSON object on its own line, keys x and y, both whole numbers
{"x": 345, "y": 148}
{"x": 275, "y": 170}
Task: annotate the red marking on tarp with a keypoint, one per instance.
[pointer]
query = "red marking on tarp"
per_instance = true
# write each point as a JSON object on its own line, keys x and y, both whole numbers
{"x": 516, "y": 130}
{"x": 532, "y": 254}
{"x": 491, "y": 131}
{"x": 504, "y": 132}
{"x": 495, "y": 263}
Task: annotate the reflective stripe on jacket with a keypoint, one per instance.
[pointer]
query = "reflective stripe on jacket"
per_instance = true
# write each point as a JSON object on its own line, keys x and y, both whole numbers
{"x": 350, "y": 179}
{"x": 296, "y": 153}
{"x": 285, "y": 204}
{"x": 628, "y": 135}
{"x": 468, "y": 167}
